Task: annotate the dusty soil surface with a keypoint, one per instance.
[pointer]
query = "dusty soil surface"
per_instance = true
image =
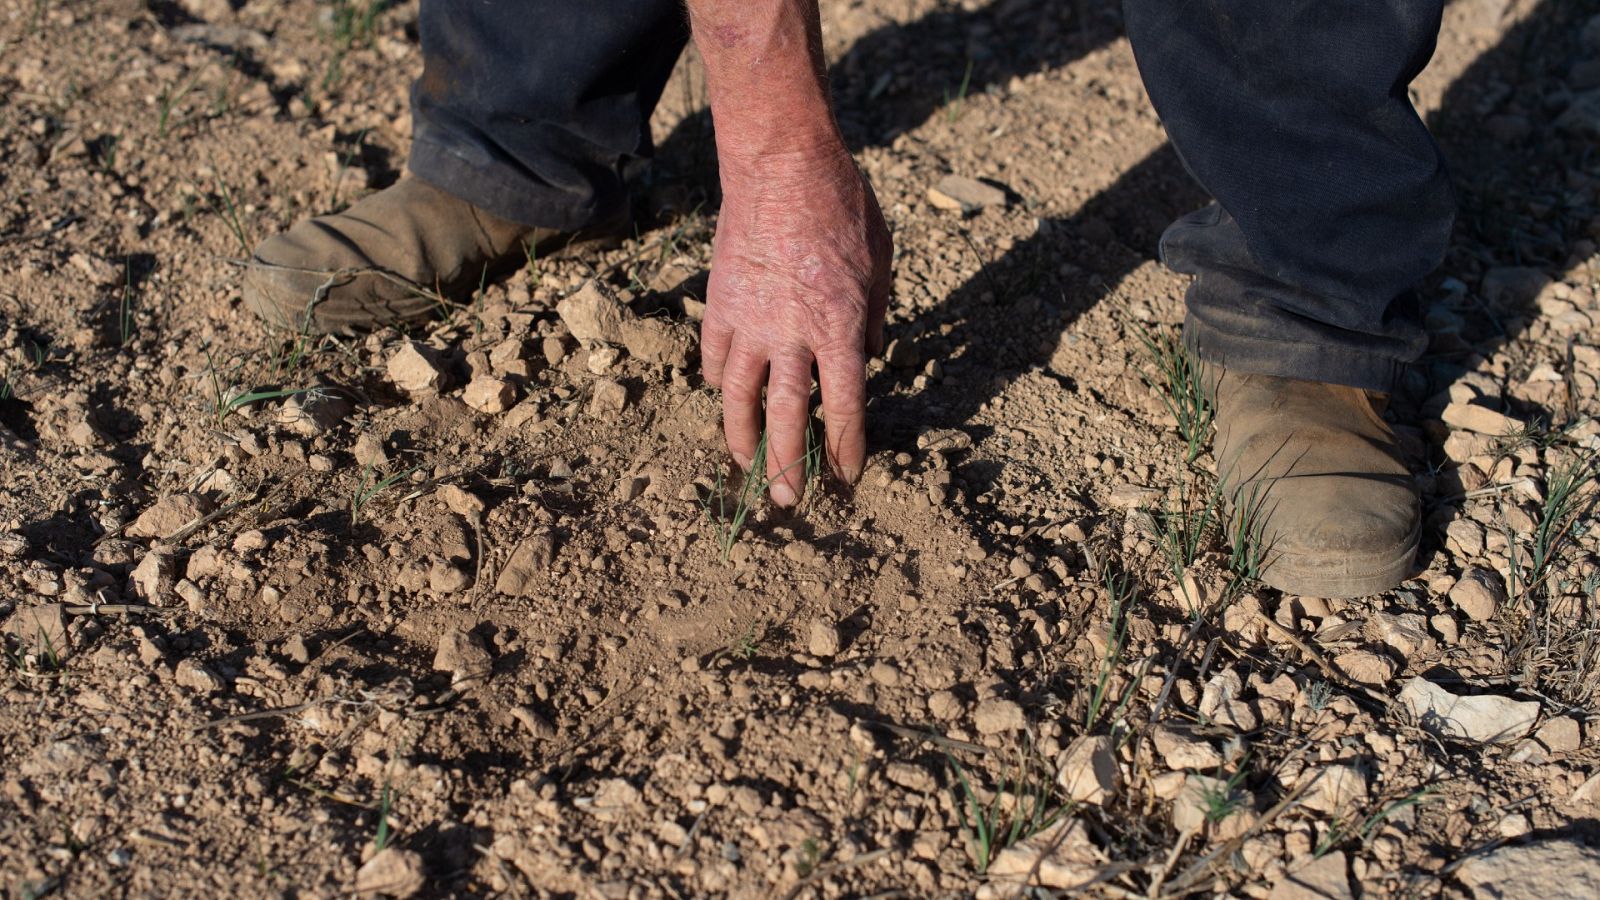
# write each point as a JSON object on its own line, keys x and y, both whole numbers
{"x": 467, "y": 613}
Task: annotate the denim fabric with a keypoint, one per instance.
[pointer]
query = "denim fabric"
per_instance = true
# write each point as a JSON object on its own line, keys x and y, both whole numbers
{"x": 536, "y": 109}
{"x": 1332, "y": 198}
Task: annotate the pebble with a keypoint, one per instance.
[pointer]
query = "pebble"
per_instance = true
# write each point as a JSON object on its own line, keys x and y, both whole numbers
{"x": 958, "y": 193}
{"x": 592, "y": 314}
{"x": 610, "y": 398}
{"x": 1560, "y": 735}
{"x": 1550, "y": 869}
{"x": 313, "y": 412}
{"x": 1479, "y": 594}
{"x": 462, "y": 654}
{"x": 1338, "y": 790}
{"x": 1479, "y": 419}
{"x": 997, "y": 716}
{"x": 1088, "y": 770}
{"x": 170, "y": 515}
{"x": 197, "y": 677}
{"x": 42, "y": 629}
{"x": 415, "y": 369}
{"x": 392, "y": 872}
{"x": 1181, "y": 750}
{"x": 537, "y": 725}
{"x": 824, "y": 640}
{"x": 1325, "y": 877}
{"x": 528, "y": 562}
{"x": 1365, "y": 667}
{"x": 488, "y": 394}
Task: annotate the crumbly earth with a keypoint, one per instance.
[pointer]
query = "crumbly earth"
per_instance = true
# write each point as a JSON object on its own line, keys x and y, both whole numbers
{"x": 483, "y": 597}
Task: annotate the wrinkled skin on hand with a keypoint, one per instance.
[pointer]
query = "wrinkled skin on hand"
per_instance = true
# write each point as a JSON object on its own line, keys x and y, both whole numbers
{"x": 799, "y": 275}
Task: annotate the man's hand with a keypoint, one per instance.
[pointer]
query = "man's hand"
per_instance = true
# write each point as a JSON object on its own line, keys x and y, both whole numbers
{"x": 799, "y": 274}
{"x": 800, "y": 266}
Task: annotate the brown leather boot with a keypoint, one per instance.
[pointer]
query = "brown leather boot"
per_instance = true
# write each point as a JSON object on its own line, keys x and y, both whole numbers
{"x": 1318, "y": 477}
{"x": 385, "y": 261}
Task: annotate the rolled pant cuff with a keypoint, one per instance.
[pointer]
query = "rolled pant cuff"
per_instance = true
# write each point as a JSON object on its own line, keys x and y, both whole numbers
{"x": 1291, "y": 359}
{"x": 515, "y": 199}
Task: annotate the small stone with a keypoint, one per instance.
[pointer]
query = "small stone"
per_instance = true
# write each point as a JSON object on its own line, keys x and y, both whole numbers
{"x": 1479, "y": 419}
{"x": 1365, "y": 667}
{"x": 901, "y": 353}
{"x": 368, "y": 451}
{"x": 445, "y": 578}
{"x": 553, "y": 349}
{"x": 488, "y": 394}
{"x": 41, "y": 629}
{"x": 801, "y": 552}
{"x": 528, "y": 562}
{"x": 537, "y": 725}
{"x": 1485, "y": 718}
{"x": 1479, "y": 594}
{"x": 614, "y": 798}
{"x": 1325, "y": 877}
{"x": 592, "y": 314}
{"x": 1180, "y": 749}
{"x": 602, "y": 360}
{"x": 392, "y": 872}
{"x": 508, "y": 356}
{"x": 1404, "y": 634}
{"x": 610, "y": 398}
{"x": 660, "y": 341}
{"x": 313, "y": 412}
{"x": 958, "y": 193}
{"x": 1553, "y": 868}
{"x": 155, "y": 576}
{"x": 415, "y": 369}
{"x": 1132, "y": 496}
{"x": 824, "y": 642}
{"x": 1061, "y": 857}
{"x": 1560, "y": 735}
{"x": 460, "y": 501}
{"x": 910, "y": 777}
{"x": 1206, "y": 801}
{"x": 1088, "y": 770}
{"x": 944, "y": 705}
{"x": 1513, "y": 825}
{"x": 170, "y": 515}
{"x": 462, "y": 654}
{"x": 197, "y": 677}
{"x": 997, "y": 716}
{"x": 1338, "y": 790}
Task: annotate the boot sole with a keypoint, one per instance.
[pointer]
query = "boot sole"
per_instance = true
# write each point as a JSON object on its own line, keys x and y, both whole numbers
{"x": 1318, "y": 575}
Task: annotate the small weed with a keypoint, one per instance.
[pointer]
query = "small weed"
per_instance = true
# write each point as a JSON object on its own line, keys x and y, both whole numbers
{"x": 225, "y": 402}
{"x": 810, "y": 856}
{"x": 371, "y": 486}
{"x": 1338, "y": 833}
{"x": 7, "y": 388}
{"x": 344, "y": 166}
{"x": 1121, "y": 592}
{"x": 352, "y": 24}
{"x": 1181, "y": 528}
{"x": 1562, "y": 516}
{"x": 1178, "y": 381}
{"x": 1222, "y": 801}
{"x": 1318, "y": 693}
{"x": 1028, "y": 808}
{"x": 728, "y": 517}
{"x": 232, "y": 212}
{"x": 1246, "y": 536}
{"x": 125, "y": 311}
{"x": 168, "y": 101}
{"x": 380, "y": 840}
{"x": 954, "y": 104}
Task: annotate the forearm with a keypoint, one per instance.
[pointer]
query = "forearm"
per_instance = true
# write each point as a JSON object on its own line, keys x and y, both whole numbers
{"x": 766, "y": 80}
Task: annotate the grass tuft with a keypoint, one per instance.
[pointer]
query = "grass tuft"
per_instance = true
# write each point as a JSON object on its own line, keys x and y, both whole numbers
{"x": 1022, "y": 805}
{"x": 1177, "y": 379}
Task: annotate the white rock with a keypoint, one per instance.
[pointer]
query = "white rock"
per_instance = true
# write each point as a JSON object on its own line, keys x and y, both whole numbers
{"x": 1486, "y": 718}
{"x": 958, "y": 193}
{"x": 1088, "y": 770}
{"x": 488, "y": 394}
{"x": 391, "y": 872}
{"x": 197, "y": 677}
{"x": 824, "y": 640}
{"x": 995, "y": 716}
{"x": 1061, "y": 857}
{"x": 1479, "y": 594}
{"x": 1338, "y": 790}
{"x": 1181, "y": 750}
{"x": 1479, "y": 419}
{"x": 1326, "y": 877}
{"x": 1553, "y": 869}
{"x": 415, "y": 369}
{"x": 592, "y": 314}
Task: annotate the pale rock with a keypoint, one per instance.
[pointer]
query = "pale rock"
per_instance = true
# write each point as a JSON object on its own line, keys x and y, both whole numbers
{"x": 958, "y": 193}
{"x": 1479, "y": 419}
{"x": 1513, "y": 825}
{"x": 462, "y": 654}
{"x": 1479, "y": 594}
{"x": 42, "y": 629}
{"x": 944, "y": 705}
{"x": 609, "y": 399}
{"x": 1588, "y": 791}
{"x": 1087, "y": 770}
{"x": 1552, "y": 869}
{"x": 602, "y": 360}
{"x": 592, "y": 314}
{"x": 1219, "y": 702}
{"x": 824, "y": 639}
{"x": 614, "y": 799}
{"x": 1405, "y": 634}
{"x": 1365, "y": 667}
{"x": 910, "y": 777}
{"x": 528, "y": 562}
{"x": 536, "y": 724}
{"x": 368, "y": 451}
{"x": 660, "y": 341}
{"x": 1464, "y": 537}
{"x": 460, "y": 501}
{"x": 509, "y": 357}
{"x": 1061, "y": 857}
{"x": 1326, "y": 877}
{"x": 1180, "y": 749}
{"x": 415, "y": 369}
{"x": 1338, "y": 790}
{"x": 1560, "y": 735}
{"x": 1448, "y": 630}
{"x": 488, "y": 394}
{"x": 197, "y": 677}
{"x": 1202, "y": 797}
{"x": 446, "y": 578}
{"x": 170, "y": 515}
{"x": 996, "y": 716}
{"x": 1132, "y": 496}
{"x": 153, "y": 579}
{"x": 554, "y": 350}
{"x": 313, "y": 412}
{"x": 392, "y": 872}
{"x": 1485, "y": 718}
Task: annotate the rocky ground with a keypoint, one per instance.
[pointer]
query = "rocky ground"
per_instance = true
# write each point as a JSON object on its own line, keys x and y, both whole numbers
{"x": 477, "y": 610}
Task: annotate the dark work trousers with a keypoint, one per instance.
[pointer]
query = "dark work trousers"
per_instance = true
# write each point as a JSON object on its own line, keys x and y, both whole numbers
{"x": 1332, "y": 199}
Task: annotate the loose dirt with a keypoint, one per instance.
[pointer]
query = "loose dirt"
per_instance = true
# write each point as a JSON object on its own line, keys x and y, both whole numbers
{"x": 467, "y": 612}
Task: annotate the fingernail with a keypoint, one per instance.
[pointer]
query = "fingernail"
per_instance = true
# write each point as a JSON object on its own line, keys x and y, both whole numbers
{"x": 782, "y": 494}
{"x": 743, "y": 462}
{"x": 849, "y": 475}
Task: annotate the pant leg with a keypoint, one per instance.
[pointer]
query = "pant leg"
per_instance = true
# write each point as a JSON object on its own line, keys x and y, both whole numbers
{"x": 1332, "y": 198}
{"x": 534, "y": 109}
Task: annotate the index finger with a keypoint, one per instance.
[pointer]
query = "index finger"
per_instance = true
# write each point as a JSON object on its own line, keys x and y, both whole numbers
{"x": 843, "y": 376}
